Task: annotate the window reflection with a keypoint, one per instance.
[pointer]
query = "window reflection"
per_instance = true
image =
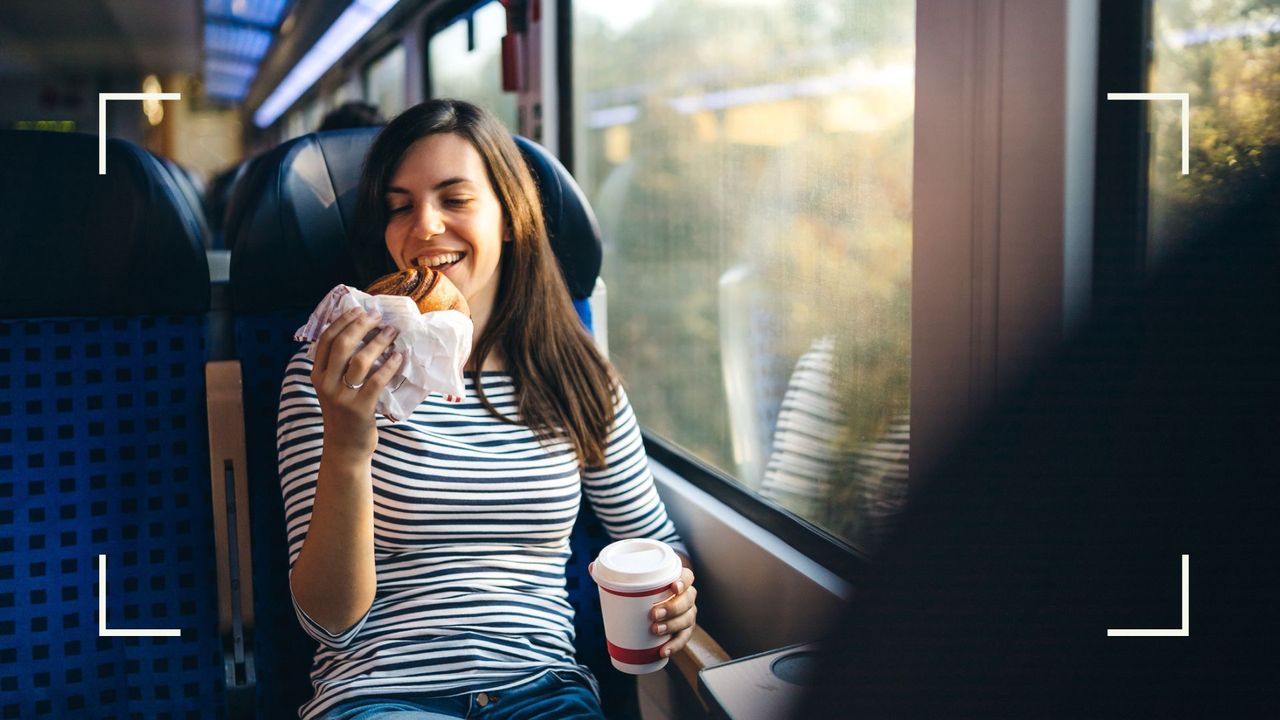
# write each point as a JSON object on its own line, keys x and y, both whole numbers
{"x": 750, "y": 165}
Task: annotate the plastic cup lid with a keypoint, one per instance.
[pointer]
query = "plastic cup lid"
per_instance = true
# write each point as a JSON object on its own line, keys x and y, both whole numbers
{"x": 636, "y": 564}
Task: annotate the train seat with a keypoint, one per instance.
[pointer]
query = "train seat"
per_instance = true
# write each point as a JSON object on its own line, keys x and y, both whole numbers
{"x": 217, "y": 200}
{"x": 103, "y": 444}
{"x": 286, "y": 227}
{"x": 190, "y": 191}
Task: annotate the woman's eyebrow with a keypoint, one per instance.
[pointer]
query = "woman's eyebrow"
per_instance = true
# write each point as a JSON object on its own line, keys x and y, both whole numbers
{"x": 439, "y": 186}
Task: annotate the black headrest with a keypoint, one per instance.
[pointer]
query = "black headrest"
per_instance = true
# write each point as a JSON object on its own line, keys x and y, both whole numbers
{"x": 575, "y": 234}
{"x": 189, "y": 193}
{"x": 218, "y": 196}
{"x": 75, "y": 243}
{"x": 289, "y": 216}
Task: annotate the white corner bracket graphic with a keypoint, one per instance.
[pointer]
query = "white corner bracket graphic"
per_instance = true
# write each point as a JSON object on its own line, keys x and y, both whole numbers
{"x": 1185, "y": 630}
{"x": 1186, "y": 117}
{"x": 102, "y": 117}
{"x": 103, "y": 630}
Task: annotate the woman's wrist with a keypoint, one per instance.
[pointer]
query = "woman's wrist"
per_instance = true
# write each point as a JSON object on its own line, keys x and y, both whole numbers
{"x": 345, "y": 458}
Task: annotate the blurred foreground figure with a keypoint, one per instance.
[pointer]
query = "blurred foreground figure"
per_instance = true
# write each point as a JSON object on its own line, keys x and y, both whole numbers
{"x": 1153, "y": 434}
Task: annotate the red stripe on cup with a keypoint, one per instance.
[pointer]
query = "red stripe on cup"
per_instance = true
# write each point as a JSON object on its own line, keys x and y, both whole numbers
{"x": 634, "y": 657}
{"x": 656, "y": 591}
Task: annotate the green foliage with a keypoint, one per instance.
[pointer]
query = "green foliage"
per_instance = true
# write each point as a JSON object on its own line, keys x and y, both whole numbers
{"x": 1234, "y": 88}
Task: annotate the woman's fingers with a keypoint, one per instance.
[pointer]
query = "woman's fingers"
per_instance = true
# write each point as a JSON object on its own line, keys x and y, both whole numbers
{"x": 326, "y": 340}
{"x": 360, "y": 365}
{"x": 343, "y": 346}
{"x": 681, "y": 612}
{"x": 380, "y": 377}
{"x": 677, "y": 643}
{"x": 681, "y": 601}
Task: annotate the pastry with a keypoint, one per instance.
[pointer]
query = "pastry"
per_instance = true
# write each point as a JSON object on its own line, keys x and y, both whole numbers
{"x": 430, "y": 289}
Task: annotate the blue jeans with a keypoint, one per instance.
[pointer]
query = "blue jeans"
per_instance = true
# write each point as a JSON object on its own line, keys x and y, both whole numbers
{"x": 554, "y": 696}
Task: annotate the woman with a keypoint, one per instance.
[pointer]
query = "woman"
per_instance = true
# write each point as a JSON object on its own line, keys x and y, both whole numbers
{"x": 427, "y": 557}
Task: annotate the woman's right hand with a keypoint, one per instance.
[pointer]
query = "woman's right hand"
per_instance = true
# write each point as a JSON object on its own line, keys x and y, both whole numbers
{"x": 344, "y": 385}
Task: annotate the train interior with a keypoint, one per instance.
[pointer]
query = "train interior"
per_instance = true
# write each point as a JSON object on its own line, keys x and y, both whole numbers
{"x": 819, "y": 240}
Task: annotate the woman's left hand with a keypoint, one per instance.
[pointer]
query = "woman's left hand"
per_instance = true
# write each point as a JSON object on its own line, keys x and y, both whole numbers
{"x": 676, "y": 615}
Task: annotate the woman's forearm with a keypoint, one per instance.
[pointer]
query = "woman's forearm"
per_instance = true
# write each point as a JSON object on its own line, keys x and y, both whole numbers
{"x": 333, "y": 579}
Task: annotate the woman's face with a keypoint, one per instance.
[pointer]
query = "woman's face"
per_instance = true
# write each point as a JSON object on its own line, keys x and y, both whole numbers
{"x": 443, "y": 213}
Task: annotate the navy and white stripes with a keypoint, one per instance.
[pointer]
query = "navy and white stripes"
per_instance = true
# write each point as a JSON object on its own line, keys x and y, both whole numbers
{"x": 471, "y": 533}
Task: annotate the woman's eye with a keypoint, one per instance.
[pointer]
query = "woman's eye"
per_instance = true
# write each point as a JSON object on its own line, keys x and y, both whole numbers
{"x": 397, "y": 210}
{"x": 457, "y": 202}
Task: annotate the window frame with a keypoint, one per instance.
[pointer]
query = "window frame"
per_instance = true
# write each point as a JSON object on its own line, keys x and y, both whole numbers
{"x": 984, "y": 178}
{"x": 815, "y": 543}
{"x": 1122, "y": 162}
{"x": 394, "y": 40}
{"x": 445, "y": 15}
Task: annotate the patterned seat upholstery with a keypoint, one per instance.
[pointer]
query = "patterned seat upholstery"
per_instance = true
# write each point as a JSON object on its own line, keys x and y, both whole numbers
{"x": 103, "y": 440}
{"x": 291, "y": 211}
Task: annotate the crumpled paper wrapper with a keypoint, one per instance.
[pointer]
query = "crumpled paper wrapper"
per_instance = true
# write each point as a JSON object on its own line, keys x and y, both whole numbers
{"x": 435, "y": 346}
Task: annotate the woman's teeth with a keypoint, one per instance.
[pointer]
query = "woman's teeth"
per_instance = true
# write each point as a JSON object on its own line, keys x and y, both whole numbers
{"x": 438, "y": 262}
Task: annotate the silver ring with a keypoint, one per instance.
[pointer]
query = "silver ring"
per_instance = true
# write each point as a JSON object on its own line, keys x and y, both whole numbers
{"x": 357, "y": 386}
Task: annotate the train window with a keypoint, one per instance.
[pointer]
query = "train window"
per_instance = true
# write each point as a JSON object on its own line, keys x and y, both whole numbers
{"x": 294, "y": 125}
{"x": 313, "y": 111}
{"x": 349, "y": 91}
{"x": 464, "y": 60}
{"x": 1225, "y": 55}
{"x": 750, "y": 165}
{"x": 384, "y": 82}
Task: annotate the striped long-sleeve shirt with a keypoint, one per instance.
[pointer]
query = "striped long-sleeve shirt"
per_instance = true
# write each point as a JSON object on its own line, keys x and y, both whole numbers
{"x": 471, "y": 534}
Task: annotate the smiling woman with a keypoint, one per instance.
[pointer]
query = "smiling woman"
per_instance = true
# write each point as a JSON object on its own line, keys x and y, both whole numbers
{"x": 489, "y": 490}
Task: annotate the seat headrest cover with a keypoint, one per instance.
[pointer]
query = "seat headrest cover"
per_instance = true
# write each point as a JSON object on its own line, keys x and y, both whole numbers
{"x": 574, "y": 232}
{"x": 288, "y": 218}
{"x": 76, "y": 243}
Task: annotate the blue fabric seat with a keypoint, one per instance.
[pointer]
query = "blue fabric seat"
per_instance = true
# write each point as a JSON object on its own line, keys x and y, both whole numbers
{"x": 103, "y": 440}
{"x": 286, "y": 226}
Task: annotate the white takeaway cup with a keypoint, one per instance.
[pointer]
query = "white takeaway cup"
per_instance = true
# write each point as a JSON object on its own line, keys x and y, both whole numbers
{"x": 634, "y": 575}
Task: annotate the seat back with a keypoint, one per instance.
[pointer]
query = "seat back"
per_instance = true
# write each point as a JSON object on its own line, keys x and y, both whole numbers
{"x": 190, "y": 193}
{"x": 293, "y": 211}
{"x": 103, "y": 290}
{"x": 217, "y": 199}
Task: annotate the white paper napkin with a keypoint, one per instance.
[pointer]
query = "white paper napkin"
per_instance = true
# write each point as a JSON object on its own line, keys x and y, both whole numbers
{"x": 435, "y": 346}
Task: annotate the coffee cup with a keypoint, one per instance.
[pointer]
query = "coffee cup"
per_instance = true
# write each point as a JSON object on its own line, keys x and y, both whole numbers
{"x": 634, "y": 575}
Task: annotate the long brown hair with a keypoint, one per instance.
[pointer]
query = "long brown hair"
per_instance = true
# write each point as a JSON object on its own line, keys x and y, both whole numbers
{"x": 564, "y": 386}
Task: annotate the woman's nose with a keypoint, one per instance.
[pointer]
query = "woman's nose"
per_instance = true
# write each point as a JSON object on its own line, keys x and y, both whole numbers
{"x": 430, "y": 220}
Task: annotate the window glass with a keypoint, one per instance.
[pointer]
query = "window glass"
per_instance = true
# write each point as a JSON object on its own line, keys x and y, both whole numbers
{"x": 348, "y": 91}
{"x": 750, "y": 165}
{"x": 384, "y": 82}
{"x": 294, "y": 125}
{"x": 1226, "y": 55}
{"x": 473, "y": 75}
{"x": 313, "y": 113}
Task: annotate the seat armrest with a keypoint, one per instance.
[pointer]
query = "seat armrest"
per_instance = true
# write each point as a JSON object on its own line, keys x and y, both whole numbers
{"x": 230, "y": 495}
{"x": 701, "y": 652}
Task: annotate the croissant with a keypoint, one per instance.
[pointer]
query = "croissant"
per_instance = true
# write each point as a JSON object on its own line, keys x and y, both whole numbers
{"x": 430, "y": 289}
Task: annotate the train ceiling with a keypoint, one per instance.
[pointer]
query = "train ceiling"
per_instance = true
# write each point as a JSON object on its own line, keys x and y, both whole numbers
{"x": 93, "y": 37}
